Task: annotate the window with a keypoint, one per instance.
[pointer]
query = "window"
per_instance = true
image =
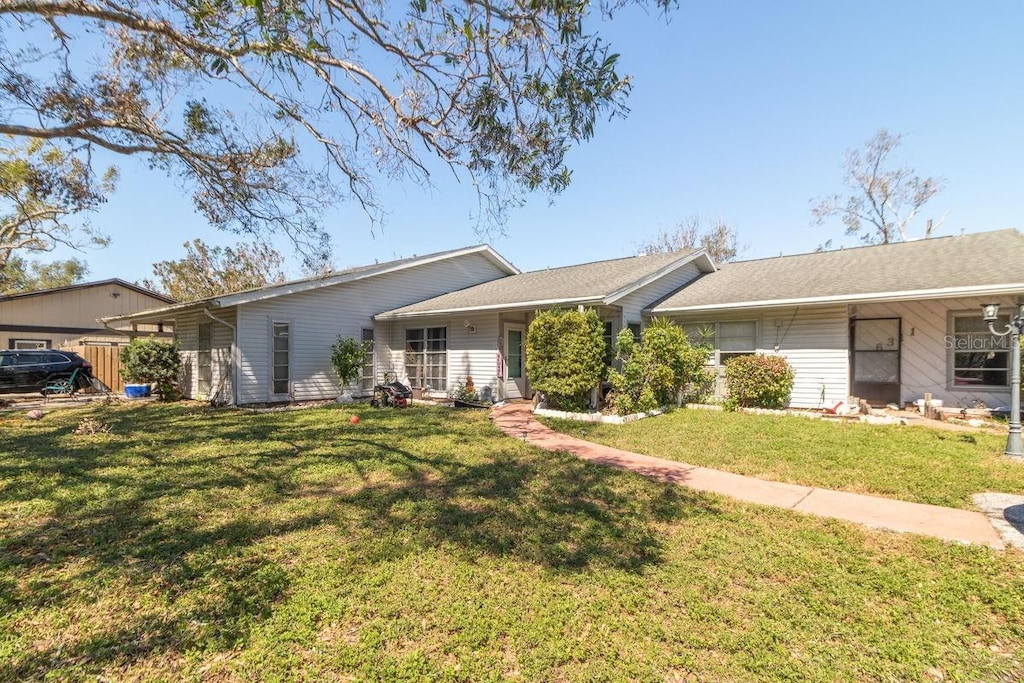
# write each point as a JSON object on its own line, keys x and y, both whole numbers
{"x": 978, "y": 359}
{"x": 204, "y": 359}
{"x": 280, "y": 375}
{"x": 609, "y": 344}
{"x": 29, "y": 344}
{"x": 426, "y": 358}
{"x": 369, "y": 378}
{"x": 727, "y": 340}
{"x": 635, "y": 329}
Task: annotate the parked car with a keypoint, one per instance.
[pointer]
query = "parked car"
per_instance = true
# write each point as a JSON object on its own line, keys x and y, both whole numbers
{"x": 31, "y": 370}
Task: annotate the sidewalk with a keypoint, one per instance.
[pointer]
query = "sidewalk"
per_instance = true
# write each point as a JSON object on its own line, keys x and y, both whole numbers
{"x": 516, "y": 420}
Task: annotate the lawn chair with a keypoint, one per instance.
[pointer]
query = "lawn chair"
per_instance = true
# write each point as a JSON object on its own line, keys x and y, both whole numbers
{"x": 62, "y": 387}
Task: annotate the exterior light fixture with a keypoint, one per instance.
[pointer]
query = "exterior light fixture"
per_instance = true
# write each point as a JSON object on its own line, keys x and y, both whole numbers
{"x": 1014, "y": 329}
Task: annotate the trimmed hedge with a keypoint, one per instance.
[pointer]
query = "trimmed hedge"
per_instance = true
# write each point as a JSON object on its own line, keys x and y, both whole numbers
{"x": 758, "y": 381}
{"x": 565, "y": 356}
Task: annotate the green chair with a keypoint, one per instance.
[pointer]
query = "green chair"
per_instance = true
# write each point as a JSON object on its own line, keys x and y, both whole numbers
{"x": 62, "y": 387}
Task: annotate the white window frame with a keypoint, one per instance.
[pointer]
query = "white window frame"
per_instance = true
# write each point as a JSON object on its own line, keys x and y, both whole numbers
{"x": 437, "y": 383}
{"x": 716, "y": 362}
{"x": 272, "y": 381}
{"x": 994, "y": 344}
{"x": 206, "y": 353}
{"x": 30, "y": 344}
{"x": 369, "y": 371}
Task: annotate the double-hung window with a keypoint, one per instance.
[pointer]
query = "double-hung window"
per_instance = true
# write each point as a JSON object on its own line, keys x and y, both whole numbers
{"x": 369, "y": 378}
{"x": 977, "y": 358}
{"x": 204, "y": 359}
{"x": 426, "y": 357}
{"x": 726, "y": 340}
{"x": 281, "y": 376}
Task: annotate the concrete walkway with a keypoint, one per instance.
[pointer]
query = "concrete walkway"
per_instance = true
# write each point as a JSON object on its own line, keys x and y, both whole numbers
{"x": 516, "y": 420}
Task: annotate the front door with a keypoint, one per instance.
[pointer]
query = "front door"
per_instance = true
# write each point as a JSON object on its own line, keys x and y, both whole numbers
{"x": 515, "y": 372}
{"x": 876, "y": 360}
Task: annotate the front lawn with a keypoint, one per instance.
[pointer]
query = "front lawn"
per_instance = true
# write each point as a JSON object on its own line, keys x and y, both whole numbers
{"x": 916, "y": 464}
{"x": 423, "y": 545}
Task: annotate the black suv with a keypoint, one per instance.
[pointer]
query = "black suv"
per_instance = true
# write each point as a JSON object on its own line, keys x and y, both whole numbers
{"x": 31, "y": 370}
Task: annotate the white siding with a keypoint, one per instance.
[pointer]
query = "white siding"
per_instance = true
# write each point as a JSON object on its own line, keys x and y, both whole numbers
{"x": 472, "y": 354}
{"x": 925, "y": 359}
{"x": 187, "y": 334}
{"x": 813, "y": 340}
{"x": 318, "y": 317}
{"x": 632, "y": 304}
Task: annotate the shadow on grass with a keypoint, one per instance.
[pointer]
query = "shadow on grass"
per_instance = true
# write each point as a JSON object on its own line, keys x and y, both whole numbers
{"x": 187, "y": 507}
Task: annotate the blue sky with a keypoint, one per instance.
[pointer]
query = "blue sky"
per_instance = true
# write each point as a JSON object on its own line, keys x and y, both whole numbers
{"x": 740, "y": 111}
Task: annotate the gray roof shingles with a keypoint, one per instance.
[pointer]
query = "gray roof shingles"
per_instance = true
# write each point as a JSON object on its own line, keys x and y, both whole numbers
{"x": 589, "y": 281}
{"x": 975, "y": 260}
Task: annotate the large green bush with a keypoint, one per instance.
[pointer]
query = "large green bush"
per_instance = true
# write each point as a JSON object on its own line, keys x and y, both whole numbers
{"x": 347, "y": 359}
{"x": 149, "y": 361}
{"x": 656, "y": 369}
{"x": 565, "y": 356}
{"x": 758, "y": 381}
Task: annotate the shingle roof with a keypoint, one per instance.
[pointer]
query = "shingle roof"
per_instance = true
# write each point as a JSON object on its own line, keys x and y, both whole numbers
{"x": 586, "y": 283}
{"x": 86, "y": 285}
{"x": 980, "y": 260}
{"x": 336, "y": 277}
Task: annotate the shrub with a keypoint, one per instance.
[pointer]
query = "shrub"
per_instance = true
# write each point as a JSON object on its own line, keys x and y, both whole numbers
{"x": 149, "y": 361}
{"x": 347, "y": 359}
{"x": 758, "y": 381}
{"x": 656, "y": 369}
{"x": 565, "y": 356}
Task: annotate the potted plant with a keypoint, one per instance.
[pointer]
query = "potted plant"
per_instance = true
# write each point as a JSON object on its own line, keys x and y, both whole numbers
{"x": 347, "y": 358}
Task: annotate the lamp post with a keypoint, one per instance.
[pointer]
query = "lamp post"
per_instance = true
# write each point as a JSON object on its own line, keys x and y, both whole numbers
{"x": 1014, "y": 329}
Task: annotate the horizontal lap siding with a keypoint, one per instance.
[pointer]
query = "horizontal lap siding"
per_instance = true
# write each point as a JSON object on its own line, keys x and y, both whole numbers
{"x": 924, "y": 358}
{"x": 632, "y": 304}
{"x": 187, "y": 334}
{"x": 469, "y": 354}
{"x": 813, "y": 340}
{"x": 316, "y": 319}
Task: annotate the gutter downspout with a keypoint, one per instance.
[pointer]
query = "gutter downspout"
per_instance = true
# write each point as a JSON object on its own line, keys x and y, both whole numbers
{"x": 233, "y": 370}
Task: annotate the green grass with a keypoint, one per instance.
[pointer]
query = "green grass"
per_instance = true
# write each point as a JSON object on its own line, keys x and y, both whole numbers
{"x": 916, "y": 464}
{"x": 423, "y": 545}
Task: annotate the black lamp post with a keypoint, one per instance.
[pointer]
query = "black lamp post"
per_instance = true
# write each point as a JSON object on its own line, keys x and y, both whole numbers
{"x": 1014, "y": 329}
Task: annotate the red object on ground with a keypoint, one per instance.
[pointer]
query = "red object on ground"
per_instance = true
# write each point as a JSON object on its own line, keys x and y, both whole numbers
{"x": 354, "y": 419}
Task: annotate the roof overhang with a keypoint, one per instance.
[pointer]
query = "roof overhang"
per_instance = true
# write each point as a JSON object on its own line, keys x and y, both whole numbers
{"x": 872, "y": 297}
{"x": 496, "y": 308}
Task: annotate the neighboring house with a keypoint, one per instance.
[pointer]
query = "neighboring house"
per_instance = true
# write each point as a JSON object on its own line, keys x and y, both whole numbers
{"x": 886, "y": 323}
{"x": 480, "y": 332}
{"x": 274, "y": 343}
{"x": 65, "y": 317}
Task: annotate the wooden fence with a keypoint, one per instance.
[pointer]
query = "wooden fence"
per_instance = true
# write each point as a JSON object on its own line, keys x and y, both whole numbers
{"x": 106, "y": 364}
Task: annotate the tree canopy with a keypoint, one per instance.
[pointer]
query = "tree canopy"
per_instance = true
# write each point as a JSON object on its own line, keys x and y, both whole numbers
{"x": 19, "y": 275}
{"x": 41, "y": 187}
{"x": 718, "y": 238}
{"x": 884, "y": 197}
{"x": 223, "y": 94}
{"x": 207, "y": 271}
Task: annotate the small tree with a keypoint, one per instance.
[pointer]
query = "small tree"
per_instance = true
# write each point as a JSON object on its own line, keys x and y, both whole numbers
{"x": 149, "y": 361}
{"x": 657, "y": 368}
{"x": 565, "y": 356}
{"x": 758, "y": 381}
{"x": 347, "y": 359}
